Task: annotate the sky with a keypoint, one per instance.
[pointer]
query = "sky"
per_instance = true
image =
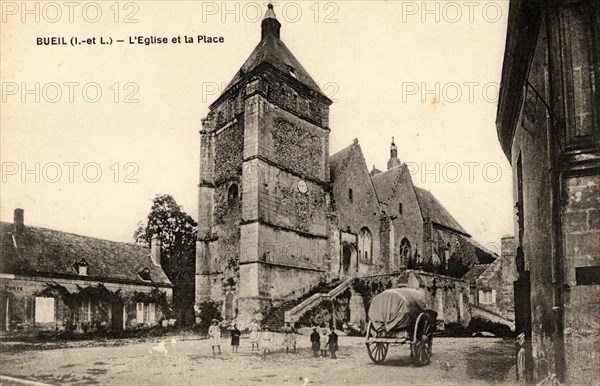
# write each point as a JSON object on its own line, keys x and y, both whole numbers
{"x": 90, "y": 133}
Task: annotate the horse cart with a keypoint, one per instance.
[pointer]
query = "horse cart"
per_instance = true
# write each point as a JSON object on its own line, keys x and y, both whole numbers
{"x": 398, "y": 316}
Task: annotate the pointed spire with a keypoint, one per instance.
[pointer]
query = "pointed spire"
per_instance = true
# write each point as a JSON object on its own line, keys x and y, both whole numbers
{"x": 270, "y": 12}
{"x": 270, "y": 25}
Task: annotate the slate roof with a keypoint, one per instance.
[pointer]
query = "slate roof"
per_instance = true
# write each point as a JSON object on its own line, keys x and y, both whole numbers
{"x": 51, "y": 253}
{"x": 374, "y": 171}
{"x": 484, "y": 255}
{"x": 273, "y": 51}
{"x": 386, "y": 182}
{"x": 336, "y": 161}
{"x": 474, "y": 273}
{"x": 432, "y": 208}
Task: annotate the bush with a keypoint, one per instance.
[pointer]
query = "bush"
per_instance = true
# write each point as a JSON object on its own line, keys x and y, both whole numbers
{"x": 498, "y": 329}
{"x": 208, "y": 310}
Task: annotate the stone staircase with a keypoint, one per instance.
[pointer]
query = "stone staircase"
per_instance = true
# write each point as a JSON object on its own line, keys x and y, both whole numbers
{"x": 294, "y": 313}
{"x": 276, "y": 319}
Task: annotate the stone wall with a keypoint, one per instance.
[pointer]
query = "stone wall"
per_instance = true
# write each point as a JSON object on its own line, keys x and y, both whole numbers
{"x": 581, "y": 233}
{"x": 448, "y": 296}
{"x": 529, "y": 149}
{"x": 491, "y": 280}
{"x": 398, "y": 191}
{"x": 506, "y": 301}
{"x": 21, "y": 293}
{"x": 359, "y": 212}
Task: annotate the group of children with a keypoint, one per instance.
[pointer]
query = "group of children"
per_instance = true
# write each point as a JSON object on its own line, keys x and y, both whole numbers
{"x": 265, "y": 339}
{"x": 324, "y": 342}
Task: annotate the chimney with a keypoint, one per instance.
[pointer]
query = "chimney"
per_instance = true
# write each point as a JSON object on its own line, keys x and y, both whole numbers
{"x": 155, "y": 250}
{"x": 18, "y": 221}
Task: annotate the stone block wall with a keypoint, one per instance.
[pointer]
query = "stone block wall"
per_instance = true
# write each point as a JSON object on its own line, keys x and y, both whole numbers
{"x": 358, "y": 210}
{"x": 581, "y": 233}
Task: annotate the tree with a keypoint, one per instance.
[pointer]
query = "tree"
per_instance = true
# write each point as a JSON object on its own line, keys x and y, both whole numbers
{"x": 177, "y": 232}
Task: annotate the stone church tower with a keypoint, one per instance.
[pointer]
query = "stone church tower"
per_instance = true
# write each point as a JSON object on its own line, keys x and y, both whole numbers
{"x": 264, "y": 191}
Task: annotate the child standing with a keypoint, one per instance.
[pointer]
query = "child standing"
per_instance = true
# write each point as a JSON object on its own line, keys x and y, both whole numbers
{"x": 333, "y": 343}
{"x": 266, "y": 339}
{"x": 214, "y": 332}
{"x": 324, "y": 342}
{"x": 235, "y": 338}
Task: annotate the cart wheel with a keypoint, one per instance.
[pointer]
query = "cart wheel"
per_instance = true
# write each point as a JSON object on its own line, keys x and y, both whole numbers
{"x": 423, "y": 340}
{"x": 377, "y": 351}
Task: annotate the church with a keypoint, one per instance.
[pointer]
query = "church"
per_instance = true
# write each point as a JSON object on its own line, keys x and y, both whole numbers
{"x": 278, "y": 215}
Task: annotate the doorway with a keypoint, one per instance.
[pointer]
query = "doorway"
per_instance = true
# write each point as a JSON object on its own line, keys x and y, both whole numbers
{"x": 348, "y": 258}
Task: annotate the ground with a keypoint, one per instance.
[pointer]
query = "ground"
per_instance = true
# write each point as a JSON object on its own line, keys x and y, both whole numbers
{"x": 187, "y": 360}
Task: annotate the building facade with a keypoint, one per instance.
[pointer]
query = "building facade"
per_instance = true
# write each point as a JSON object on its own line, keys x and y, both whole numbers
{"x": 278, "y": 215}
{"x": 549, "y": 127}
{"x": 57, "y": 281}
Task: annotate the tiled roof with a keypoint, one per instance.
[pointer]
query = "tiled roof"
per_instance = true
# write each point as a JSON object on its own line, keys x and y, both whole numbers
{"x": 47, "y": 252}
{"x": 432, "y": 208}
{"x": 475, "y": 272}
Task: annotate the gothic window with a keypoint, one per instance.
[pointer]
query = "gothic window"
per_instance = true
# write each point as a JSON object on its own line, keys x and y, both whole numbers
{"x": 365, "y": 244}
{"x": 400, "y": 209}
{"x": 232, "y": 194}
{"x": 404, "y": 251}
{"x": 350, "y": 195}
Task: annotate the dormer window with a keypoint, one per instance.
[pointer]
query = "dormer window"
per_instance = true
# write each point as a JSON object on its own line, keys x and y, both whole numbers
{"x": 293, "y": 72}
{"x": 81, "y": 267}
{"x": 145, "y": 274}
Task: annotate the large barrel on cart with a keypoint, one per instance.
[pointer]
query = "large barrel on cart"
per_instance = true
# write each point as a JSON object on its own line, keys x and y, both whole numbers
{"x": 399, "y": 316}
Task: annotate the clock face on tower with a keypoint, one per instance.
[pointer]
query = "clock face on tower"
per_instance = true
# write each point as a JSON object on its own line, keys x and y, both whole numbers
{"x": 302, "y": 187}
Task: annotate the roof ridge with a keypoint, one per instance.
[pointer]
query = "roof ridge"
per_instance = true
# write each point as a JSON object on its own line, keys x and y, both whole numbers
{"x": 80, "y": 235}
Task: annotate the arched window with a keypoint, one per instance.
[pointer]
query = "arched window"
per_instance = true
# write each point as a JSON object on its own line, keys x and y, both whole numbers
{"x": 365, "y": 244}
{"x": 404, "y": 251}
{"x": 229, "y": 306}
{"x": 232, "y": 194}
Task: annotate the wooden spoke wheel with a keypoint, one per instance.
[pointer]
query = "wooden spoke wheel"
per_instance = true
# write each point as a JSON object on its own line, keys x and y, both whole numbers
{"x": 422, "y": 343}
{"x": 377, "y": 351}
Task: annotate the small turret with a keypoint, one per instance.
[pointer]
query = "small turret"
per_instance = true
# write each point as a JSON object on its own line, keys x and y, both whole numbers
{"x": 393, "y": 161}
{"x": 270, "y": 25}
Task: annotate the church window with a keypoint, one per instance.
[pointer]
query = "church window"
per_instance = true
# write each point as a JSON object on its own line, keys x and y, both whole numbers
{"x": 400, "y": 208}
{"x": 232, "y": 194}
{"x": 404, "y": 251}
{"x": 350, "y": 195}
{"x": 365, "y": 244}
